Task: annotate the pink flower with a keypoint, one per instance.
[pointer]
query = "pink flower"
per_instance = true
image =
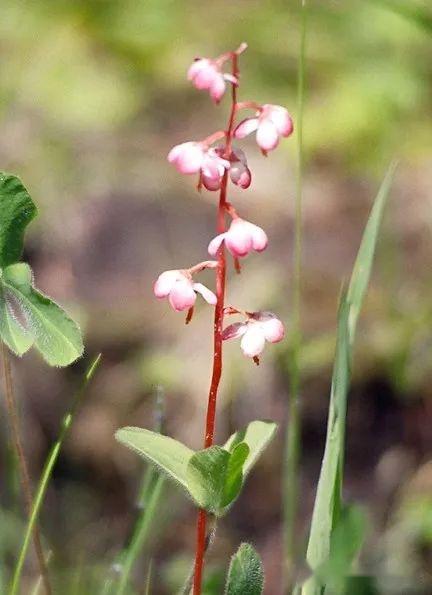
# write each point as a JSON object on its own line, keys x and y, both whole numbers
{"x": 241, "y": 238}
{"x": 213, "y": 168}
{"x": 239, "y": 172}
{"x": 206, "y": 75}
{"x": 270, "y": 123}
{"x": 187, "y": 157}
{"x": 180, "y": 290}
{"x": 255, "y": 331}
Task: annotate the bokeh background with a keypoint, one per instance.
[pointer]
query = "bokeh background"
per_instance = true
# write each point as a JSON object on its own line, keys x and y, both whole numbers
{"x": 92, "y": 97}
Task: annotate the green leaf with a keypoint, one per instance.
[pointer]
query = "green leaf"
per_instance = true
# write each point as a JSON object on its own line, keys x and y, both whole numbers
{"x": 256, "y": 435}
{"x": 328, "y": 502}
{"x": 16, "y": 211}
{"x": 56, "y": 336}
{"x": 235, "y": 474}
{"x": 346, "y": 541}
{"x": 168, "y": 455}
{"x": 245, "y": 575}
{"x": 17, "y": 338}
{"x": 206, "y": 476}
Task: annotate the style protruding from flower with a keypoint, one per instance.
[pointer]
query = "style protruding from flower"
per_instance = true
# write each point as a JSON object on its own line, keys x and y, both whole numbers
{"x": 270, "y": 123}
{"x": 255, "y": 331}
{"x": 180, "y": 289}
{"x": 207, "y": 75}
{"x": 241, "y": 238}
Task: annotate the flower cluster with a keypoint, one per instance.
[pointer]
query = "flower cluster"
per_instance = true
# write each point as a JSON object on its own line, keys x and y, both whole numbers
{"x": 216, "y": 161}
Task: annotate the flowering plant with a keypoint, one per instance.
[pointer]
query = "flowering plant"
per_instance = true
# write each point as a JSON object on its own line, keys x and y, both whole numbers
{"x": 213, "y": 477}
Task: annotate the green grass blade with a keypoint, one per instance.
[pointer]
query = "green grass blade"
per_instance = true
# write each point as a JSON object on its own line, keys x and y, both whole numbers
{"x": 46, "y": 475}
{"x": 328, "y": 498}
{"x": 141, "y": 532}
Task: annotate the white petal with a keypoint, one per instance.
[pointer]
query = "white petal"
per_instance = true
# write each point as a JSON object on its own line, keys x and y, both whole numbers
{"x": 164, "y": 283}
{"x": 267, "y": 135}
{"x": 253, "y": 341}
{"x": 182, "y": 296}
{"x": 246, "y": 127}
{"x": 208, "y": 295}
{"x": 274, "y": 330}
{"x": 215, "y": 244}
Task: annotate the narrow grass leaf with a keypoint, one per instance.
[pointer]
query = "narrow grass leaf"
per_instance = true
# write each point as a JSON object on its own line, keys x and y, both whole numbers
{"x": 328, "y": 504}
{"x": 245, "y": 575}
{"x": 46, "y": 475}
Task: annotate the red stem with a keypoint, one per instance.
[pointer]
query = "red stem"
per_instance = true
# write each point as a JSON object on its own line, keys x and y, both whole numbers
{"x": 217, "y": 336}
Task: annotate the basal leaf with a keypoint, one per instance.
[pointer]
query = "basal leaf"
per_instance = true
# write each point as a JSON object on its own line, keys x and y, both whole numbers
{"x": 256, "y": 435}
{"x": 56, "y": 336}
{"x": 234, "y": 474}
{"x": 16, "y": 211}
{"x": 168, "y": 455}
{"x": 245, "y": 575}
{"x": 17, "y": 338}
{"x": 206, "y": 475}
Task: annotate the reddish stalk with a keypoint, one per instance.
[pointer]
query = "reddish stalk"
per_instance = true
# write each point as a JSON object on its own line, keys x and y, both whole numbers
{"x": 217, "y": 332}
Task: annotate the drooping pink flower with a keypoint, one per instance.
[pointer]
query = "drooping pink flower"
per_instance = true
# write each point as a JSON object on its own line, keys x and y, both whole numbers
{"x": 255, "y": 331}
{"x": 206, "y": 75}
{"x": 213, "y": 168}
{"x": 270, "y": 123}
{"x": 239, "y": 172}
{"x": 241, "y": 238}
{"x": 187, "y": 157}
{"x": 179, "y": 288}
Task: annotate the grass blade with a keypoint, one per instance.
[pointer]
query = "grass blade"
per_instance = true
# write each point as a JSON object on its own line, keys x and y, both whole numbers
{"x": 46, "y": 475}
{"x": 328, "y": 498}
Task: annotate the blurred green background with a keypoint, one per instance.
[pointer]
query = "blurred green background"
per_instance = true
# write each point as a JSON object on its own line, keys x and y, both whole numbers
{"x": 92, "y": 97}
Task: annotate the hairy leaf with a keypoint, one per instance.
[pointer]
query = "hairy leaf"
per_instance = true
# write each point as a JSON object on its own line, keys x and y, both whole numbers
{"x": 245, "y": 575}
{"x": 16, "y": 211}
{"x": 256, "y": 435}
{"x": 12, "y": 332}
{"x": 56, "y": 336}
{"x": 235, "y": 473}
{"x": 206, "y": 475}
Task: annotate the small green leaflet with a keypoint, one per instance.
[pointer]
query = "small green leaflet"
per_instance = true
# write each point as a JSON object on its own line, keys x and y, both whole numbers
{"x": 245, "y": 575}
{"x": 212, "y": 477}
{"x": 27, "y": 316}
{"x": 16, "y": 211}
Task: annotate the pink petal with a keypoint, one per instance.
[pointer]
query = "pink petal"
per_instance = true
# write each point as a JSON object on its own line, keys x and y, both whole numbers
{"x": 281, "y": 119}
{"x": 196, "y": 67}
{"x": 233, "y": 331}
{"x": 211, "y": 184}
{"x": 267, "y": 135}
{"x": 205, "y": 78}
{"x": 182, "y": 295}
{"x": 187, "y": 158}
{"x": 208, "y": 295}
{"x": 274, "y": 330}
{"x": 238, "y": 239}
{"x": 240, "y": 175}
{"x": 164, "y": 283}
{"x": 217, "y": 88}
{"x": 215, "y": 244}
{"x": 246, "y": 127}
{"x": 259, "y": 238}
{"x": 253, "y": 341}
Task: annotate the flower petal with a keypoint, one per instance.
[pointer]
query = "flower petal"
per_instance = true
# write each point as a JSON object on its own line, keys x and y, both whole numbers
{"x": 164, "y": 283}
{"x": 238, "y": 238}
{"x": 208, "y": 295}
{"x": 267, "y": 135}
{"x": 182, "y": 295}
{"x": 215, "y": 244}
{"x": 196, "y": 67}
{"x": 280, "y": 118}
{"x": 259, "y": 238}
{"x": 233, "y": 331}
{"x": 253, "y": 341}
{"x": 240, "y": 175}
{"x": 246, "y": 127}
{"x": 273, "y": 329}
{"x": 217, "y": 88}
